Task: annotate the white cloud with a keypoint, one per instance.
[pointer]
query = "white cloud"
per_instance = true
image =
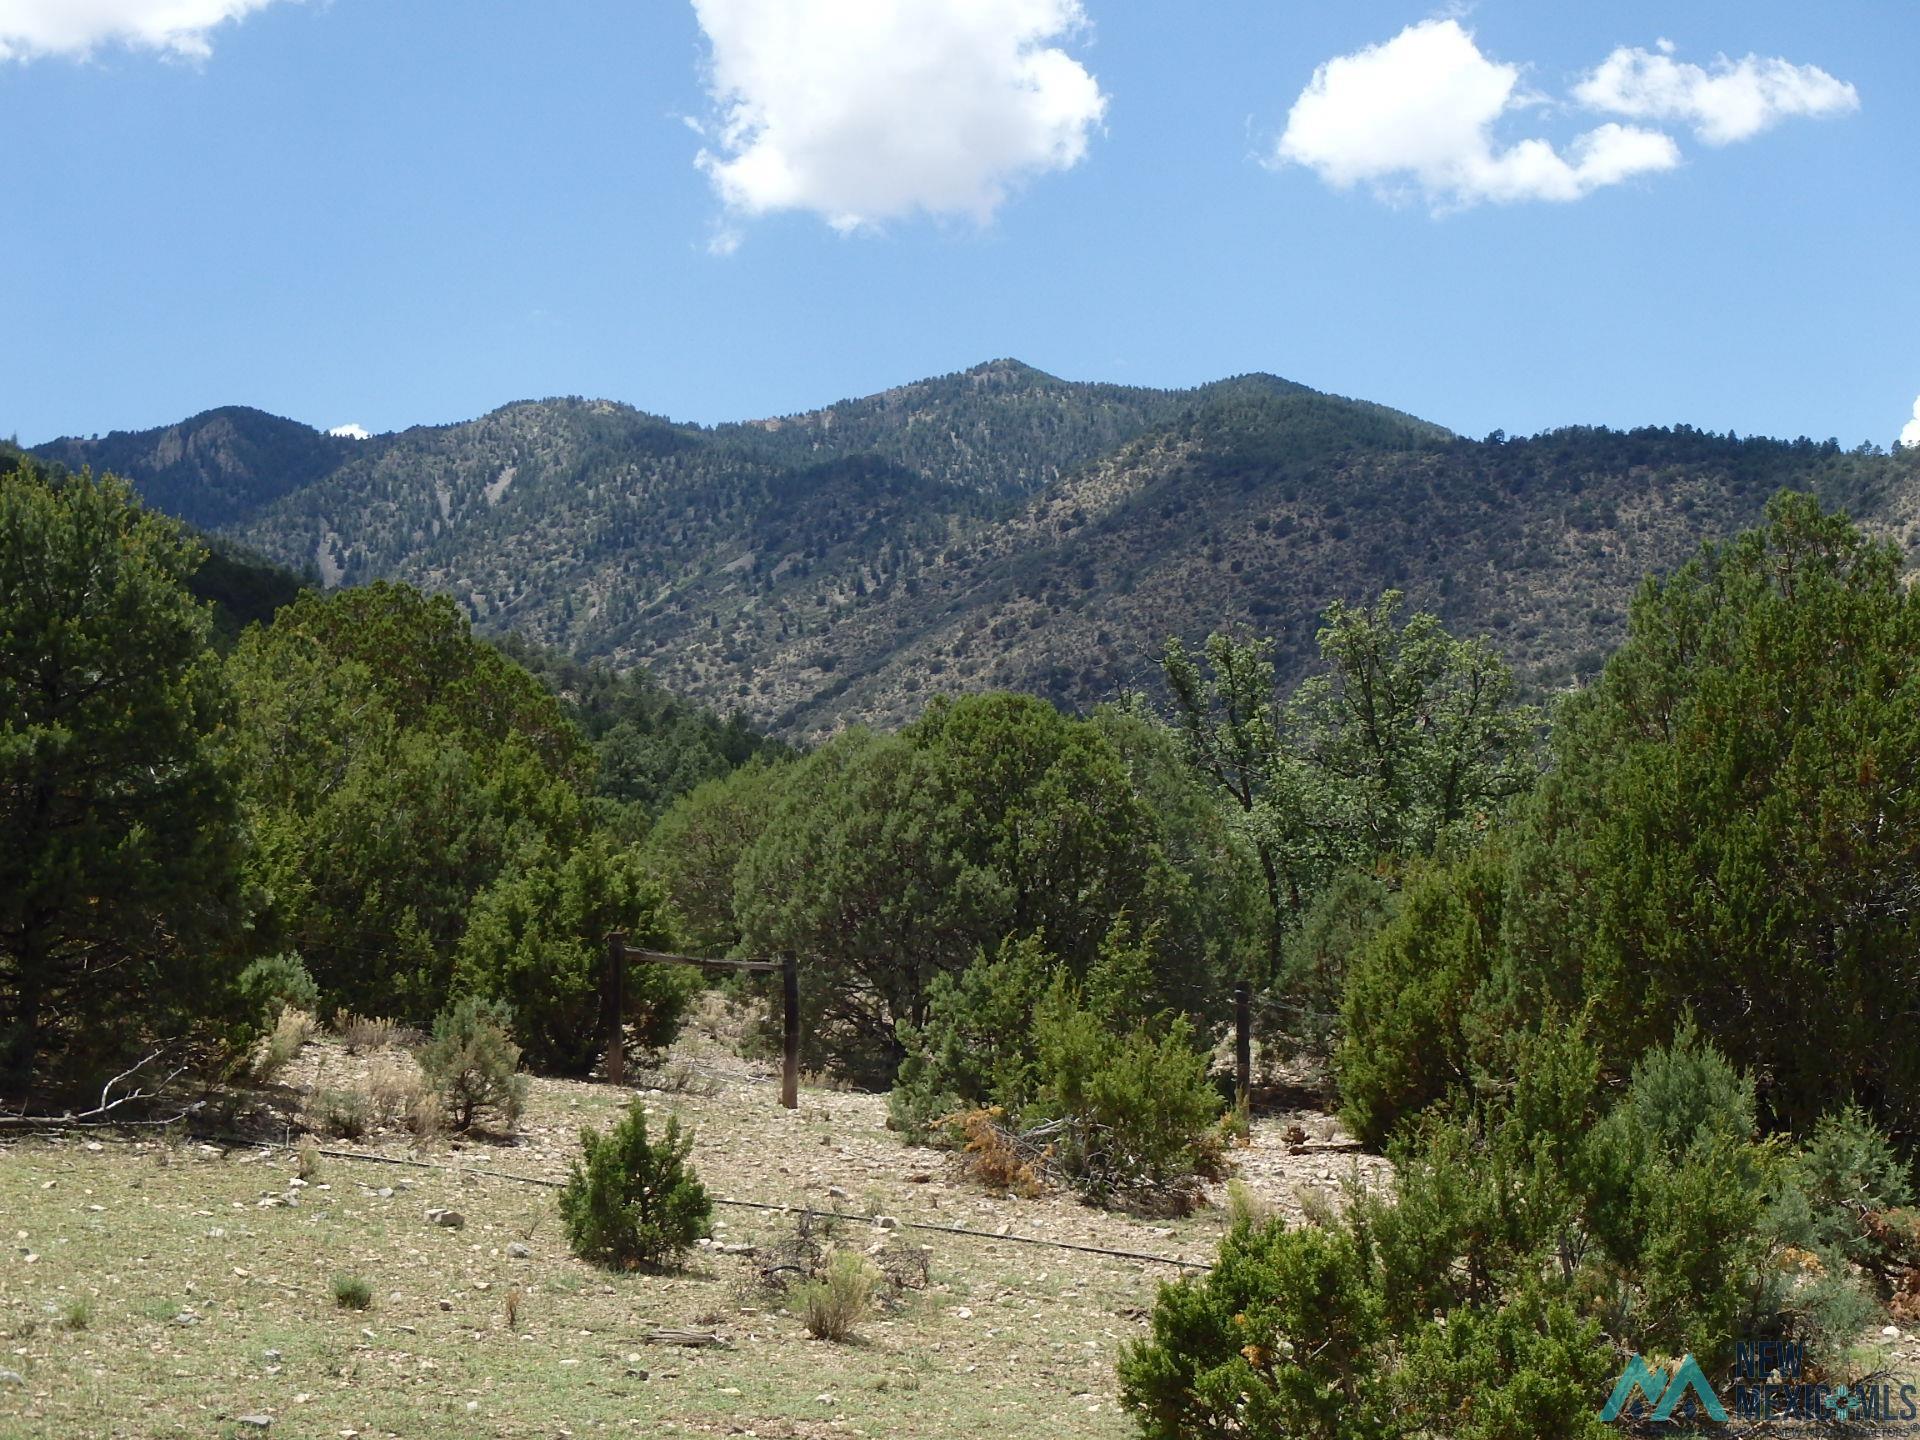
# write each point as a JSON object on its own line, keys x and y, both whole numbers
{"x": 1417, "y": 115}
{"x": 351, "y": 432}
{"x": 30, "y": 29}
{"x": 1734, "y": 100}
{"x": 1910, "y": 434}
{"x": 868, "y": 110}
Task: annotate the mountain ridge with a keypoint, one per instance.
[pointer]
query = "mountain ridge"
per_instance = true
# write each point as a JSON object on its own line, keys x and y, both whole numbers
{"x": 993, "y": 526}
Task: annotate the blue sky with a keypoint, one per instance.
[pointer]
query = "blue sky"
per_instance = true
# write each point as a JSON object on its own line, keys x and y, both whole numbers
{"x": 389, "y": 212}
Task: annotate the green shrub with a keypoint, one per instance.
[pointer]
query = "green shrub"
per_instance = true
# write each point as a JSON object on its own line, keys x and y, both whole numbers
{"x": 537, "y": 941}
{"x": 1282, "y": 1337}
{"x": 833, "y": 1304}
{"x": 472, "y": 1063}
{"x": 1116, "y": 1103}
{"x": 1316, "y": 955}
{"x": 1687, "y": 1092}
{"x": 350, "y": 1292}
{"x": 632, "y": 1202}
{"x": 275, "y": 983}
{"x": 1410, "y": 1009}
{"x": 1849, "y": 1174}
{"x": 1534, "y": 1238}
{"x": 1137, "y": 1110}
{"x": 976, "y": 1047}
{"x": 341, "y": 1113}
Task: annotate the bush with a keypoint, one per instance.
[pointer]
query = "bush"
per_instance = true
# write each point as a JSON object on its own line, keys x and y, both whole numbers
{"x": 350, "y": 1292}
{"x": 1030, "y": 1070}
{"x": 537, "y": 941}
{"x": 341, "y": 1113}
{"x": 832, "y": 1305}
{"x": 395, "y": 1088}
{"x": 275, "y": 983}
{"x": 629, "y": 1202}
{"x": 471, "y": 1062}
{"x": 369, "y": 1033}
{"x": 976, "y": 1047}
{"x": 1137, "y": 1108}
{"x": 1412, "y": 995}
{"x": 1533, "y": 1240}
{"x": 1316, "y": 955}
{"x": 279, "y": 1048}
{"x": 1282, "y": 1338}
{"x": 1850, "y": 1176}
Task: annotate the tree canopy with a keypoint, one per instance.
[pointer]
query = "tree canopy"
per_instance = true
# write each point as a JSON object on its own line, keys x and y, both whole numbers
{"x": 120, "y": 893}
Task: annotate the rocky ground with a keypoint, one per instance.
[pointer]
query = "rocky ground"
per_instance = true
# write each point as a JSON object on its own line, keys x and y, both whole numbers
{"x": 176, "y": 1287}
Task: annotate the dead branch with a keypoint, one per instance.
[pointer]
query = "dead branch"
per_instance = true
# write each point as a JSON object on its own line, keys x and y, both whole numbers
{"x": 103, "y": 1113}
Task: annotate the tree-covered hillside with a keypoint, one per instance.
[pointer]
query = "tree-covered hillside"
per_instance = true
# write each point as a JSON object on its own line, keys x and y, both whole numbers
{"x": 215, "y": 469}
{"x": 1000, "y": 527}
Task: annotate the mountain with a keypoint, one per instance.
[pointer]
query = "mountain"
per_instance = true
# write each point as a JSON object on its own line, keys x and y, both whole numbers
{"x": 998, "y": 526}
{"x": 216, "y": 469}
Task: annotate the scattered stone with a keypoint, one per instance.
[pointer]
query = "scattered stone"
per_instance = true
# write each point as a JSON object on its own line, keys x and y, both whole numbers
{"x": 519, "y": 1251}
{"x": 961, "y": 1312}
{"x": 1890, "y": 1332}
{"x": 446, "y": 1304}
{"x": 254, "y": 1422}
{"x": 886, "y": 1222}
{"x": 273, "y": 1357}
{"x": 834, "y": 1192}
{"x": 12, "y": 1377}
{"x": 445, "y": 1218}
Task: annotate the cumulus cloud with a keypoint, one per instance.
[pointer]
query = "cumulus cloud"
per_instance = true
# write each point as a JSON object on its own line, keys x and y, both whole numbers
{"x": 1910, "y": 434}
{"x": 1734, "y": 100}
{"x": 30, "y": 29}
{"x": 863, "y": 111}
{"x": 351, "y": 432}
{"x": 1417, "y": 115}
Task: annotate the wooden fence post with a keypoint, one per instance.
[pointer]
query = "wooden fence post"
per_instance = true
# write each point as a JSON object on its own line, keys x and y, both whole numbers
{"x": 1243, "y": 1046}
{"x": 613, "y": 1008}
{"x": 790, "y": 1020}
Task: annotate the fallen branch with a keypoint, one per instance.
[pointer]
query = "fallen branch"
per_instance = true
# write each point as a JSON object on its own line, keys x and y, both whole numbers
{"x": 102, "y": 1115}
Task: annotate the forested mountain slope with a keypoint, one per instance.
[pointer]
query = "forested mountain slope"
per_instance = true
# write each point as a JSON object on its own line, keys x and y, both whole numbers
{"x": 994, "y": 527}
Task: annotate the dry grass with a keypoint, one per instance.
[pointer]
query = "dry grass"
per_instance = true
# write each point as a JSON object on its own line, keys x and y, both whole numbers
{"x": 275, "y": 1052}
{"x": 839, "y": 1300}
{"x": 366, "y": 1033}
{"x": 981, "y": 1336}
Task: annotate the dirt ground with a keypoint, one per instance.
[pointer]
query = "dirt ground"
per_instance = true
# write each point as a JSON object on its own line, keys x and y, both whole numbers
{"x": 166, "y": 1288}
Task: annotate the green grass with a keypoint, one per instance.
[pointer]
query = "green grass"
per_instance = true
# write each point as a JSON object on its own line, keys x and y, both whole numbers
{"x": 350, "y": 1292}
